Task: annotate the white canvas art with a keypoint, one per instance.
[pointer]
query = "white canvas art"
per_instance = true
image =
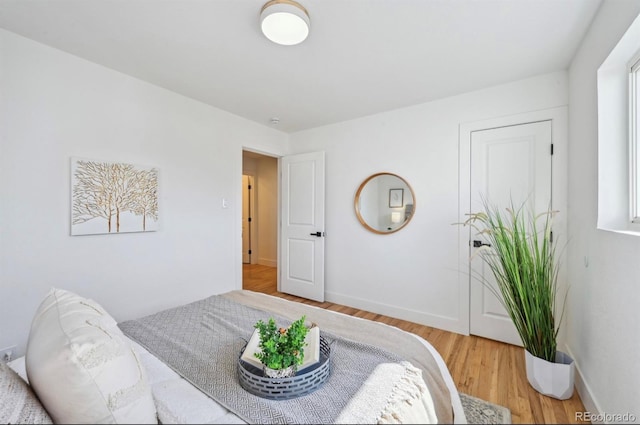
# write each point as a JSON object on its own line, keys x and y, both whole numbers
{"x": 112, "y": 197}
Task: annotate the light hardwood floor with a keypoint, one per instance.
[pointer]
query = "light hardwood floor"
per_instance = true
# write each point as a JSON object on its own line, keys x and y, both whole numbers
{"x": 480, "y": 367}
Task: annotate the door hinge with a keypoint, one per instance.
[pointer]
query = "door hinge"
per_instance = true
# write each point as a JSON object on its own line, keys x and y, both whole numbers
{"x": 551, "y": 148}
{"x": 249, "y": 252}
{"x": 249, "y": 187}
{"x": 249, "y": 219}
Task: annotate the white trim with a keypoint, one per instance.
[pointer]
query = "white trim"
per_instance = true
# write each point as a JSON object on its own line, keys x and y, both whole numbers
{"x": 268, "y": 262}
{"x": 237, "y": 218}
{"x": 616, "y": 193}
{"x": 634, "y": 163}
{"x": 586, "y": 395}
{"x": 559, "y": 137}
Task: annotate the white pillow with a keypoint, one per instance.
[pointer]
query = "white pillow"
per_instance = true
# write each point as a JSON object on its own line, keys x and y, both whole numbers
{"x": 82, "y": 368}
{"x": 18, "y": 403}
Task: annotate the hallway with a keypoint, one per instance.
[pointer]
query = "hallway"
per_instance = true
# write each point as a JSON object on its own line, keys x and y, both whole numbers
{"x": 259, "y": 278}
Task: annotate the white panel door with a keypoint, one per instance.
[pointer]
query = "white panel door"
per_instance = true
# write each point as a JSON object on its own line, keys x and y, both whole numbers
{"x": 302, "y": 215}
{"x": 507, "y": 163}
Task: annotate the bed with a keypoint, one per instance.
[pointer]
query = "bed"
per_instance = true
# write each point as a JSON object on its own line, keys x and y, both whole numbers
{"x": 415, "y": 386}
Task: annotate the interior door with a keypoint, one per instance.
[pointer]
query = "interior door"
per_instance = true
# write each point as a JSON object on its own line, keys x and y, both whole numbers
{"x": 302, "y": 229}
{"x": 246, "y": 218}
{"x": 507, "y": 163}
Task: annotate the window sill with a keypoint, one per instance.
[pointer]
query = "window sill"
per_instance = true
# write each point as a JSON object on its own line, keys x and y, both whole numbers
{"x": 629, "y": 231}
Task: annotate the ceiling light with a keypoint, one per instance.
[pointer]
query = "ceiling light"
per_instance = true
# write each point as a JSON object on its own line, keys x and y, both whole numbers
{"x": 284, "y": 22}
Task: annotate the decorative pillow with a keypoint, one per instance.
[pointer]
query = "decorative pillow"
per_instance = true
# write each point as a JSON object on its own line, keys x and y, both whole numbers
{"x": 82, "y": 368}
{"x": 18, "y": 403}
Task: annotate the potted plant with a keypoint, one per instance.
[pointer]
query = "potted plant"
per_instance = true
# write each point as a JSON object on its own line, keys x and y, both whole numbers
{"x": 281, "y": 349}
{"x": 521, "y": 255}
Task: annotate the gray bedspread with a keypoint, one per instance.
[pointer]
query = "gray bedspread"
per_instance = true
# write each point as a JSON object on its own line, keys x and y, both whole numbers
{"x": 202, "y": 341}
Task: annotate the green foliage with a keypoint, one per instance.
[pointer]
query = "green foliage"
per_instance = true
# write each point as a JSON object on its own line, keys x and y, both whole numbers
{"x": 522, "y": 259}
{"x": 280, "y": 347}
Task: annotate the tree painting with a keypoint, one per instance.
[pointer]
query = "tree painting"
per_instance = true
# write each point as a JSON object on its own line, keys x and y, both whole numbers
{"x": 113, "y": 197}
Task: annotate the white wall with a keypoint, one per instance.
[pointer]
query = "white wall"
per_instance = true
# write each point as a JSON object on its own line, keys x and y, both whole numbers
{"x": 54, "y": 106}
{"x": 267, "y": 206}
{"x": 411, "y": 274}
{"x": 603, "y": 328}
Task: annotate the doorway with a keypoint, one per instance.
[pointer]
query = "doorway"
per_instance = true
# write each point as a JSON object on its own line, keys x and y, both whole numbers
{"x": 259, "y": 222}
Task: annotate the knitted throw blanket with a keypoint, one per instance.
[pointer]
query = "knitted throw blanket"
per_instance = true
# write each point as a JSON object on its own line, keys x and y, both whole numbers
{"x": 202, "y": 341}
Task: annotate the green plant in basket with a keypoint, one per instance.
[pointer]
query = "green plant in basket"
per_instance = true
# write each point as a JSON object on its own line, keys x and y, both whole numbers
{"x": 281, "y": 348}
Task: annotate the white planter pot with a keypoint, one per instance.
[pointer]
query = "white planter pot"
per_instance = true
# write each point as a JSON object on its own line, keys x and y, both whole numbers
{"x": 552, "y": 379}
{"x": 279, "y": 373}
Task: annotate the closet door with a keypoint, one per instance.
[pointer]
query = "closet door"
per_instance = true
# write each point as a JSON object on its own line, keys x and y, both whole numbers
{"x": 511, "y": 163}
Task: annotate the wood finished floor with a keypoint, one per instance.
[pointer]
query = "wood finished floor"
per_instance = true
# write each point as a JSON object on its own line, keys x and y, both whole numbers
{"x": 480, "y": 367}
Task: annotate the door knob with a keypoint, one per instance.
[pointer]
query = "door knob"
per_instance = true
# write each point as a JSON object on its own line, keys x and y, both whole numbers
{"x": 317, "y": 234}
{"x": 478, "y": 244}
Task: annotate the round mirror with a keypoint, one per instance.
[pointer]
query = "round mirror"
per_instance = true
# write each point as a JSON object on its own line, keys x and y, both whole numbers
{"x": 384, "y": 203}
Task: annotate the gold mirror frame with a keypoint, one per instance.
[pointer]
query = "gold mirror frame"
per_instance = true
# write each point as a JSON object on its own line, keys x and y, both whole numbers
{"x": 408, "y": 209}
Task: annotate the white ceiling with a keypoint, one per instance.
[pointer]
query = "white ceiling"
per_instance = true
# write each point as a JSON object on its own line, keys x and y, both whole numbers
{"x": 361, "y": 57}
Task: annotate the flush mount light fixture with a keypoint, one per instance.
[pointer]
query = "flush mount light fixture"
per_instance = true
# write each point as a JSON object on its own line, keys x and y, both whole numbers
{"x": 284, "y": 22}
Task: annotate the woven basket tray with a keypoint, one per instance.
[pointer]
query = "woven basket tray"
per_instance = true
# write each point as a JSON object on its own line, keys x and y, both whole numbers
{"x": 253, "y": 380}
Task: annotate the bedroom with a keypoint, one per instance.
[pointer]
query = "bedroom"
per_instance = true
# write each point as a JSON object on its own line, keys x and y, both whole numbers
{"x": 56, "y": 106}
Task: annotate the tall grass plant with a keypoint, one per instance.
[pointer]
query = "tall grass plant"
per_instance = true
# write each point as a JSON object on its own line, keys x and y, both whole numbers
{"x": 522, "y": 257}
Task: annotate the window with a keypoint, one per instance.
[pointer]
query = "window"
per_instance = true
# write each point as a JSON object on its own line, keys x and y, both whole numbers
{"x": 618, "y": 88}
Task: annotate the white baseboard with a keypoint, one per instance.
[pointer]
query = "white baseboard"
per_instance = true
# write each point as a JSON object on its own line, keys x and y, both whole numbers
{"x": 586, "y": 395}
{"x": 441, "y": 322}
{"x": 267, "y": 262}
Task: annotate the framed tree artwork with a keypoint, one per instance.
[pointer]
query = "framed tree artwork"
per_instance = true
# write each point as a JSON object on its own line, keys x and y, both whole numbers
{"x": 112, "y": 197}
